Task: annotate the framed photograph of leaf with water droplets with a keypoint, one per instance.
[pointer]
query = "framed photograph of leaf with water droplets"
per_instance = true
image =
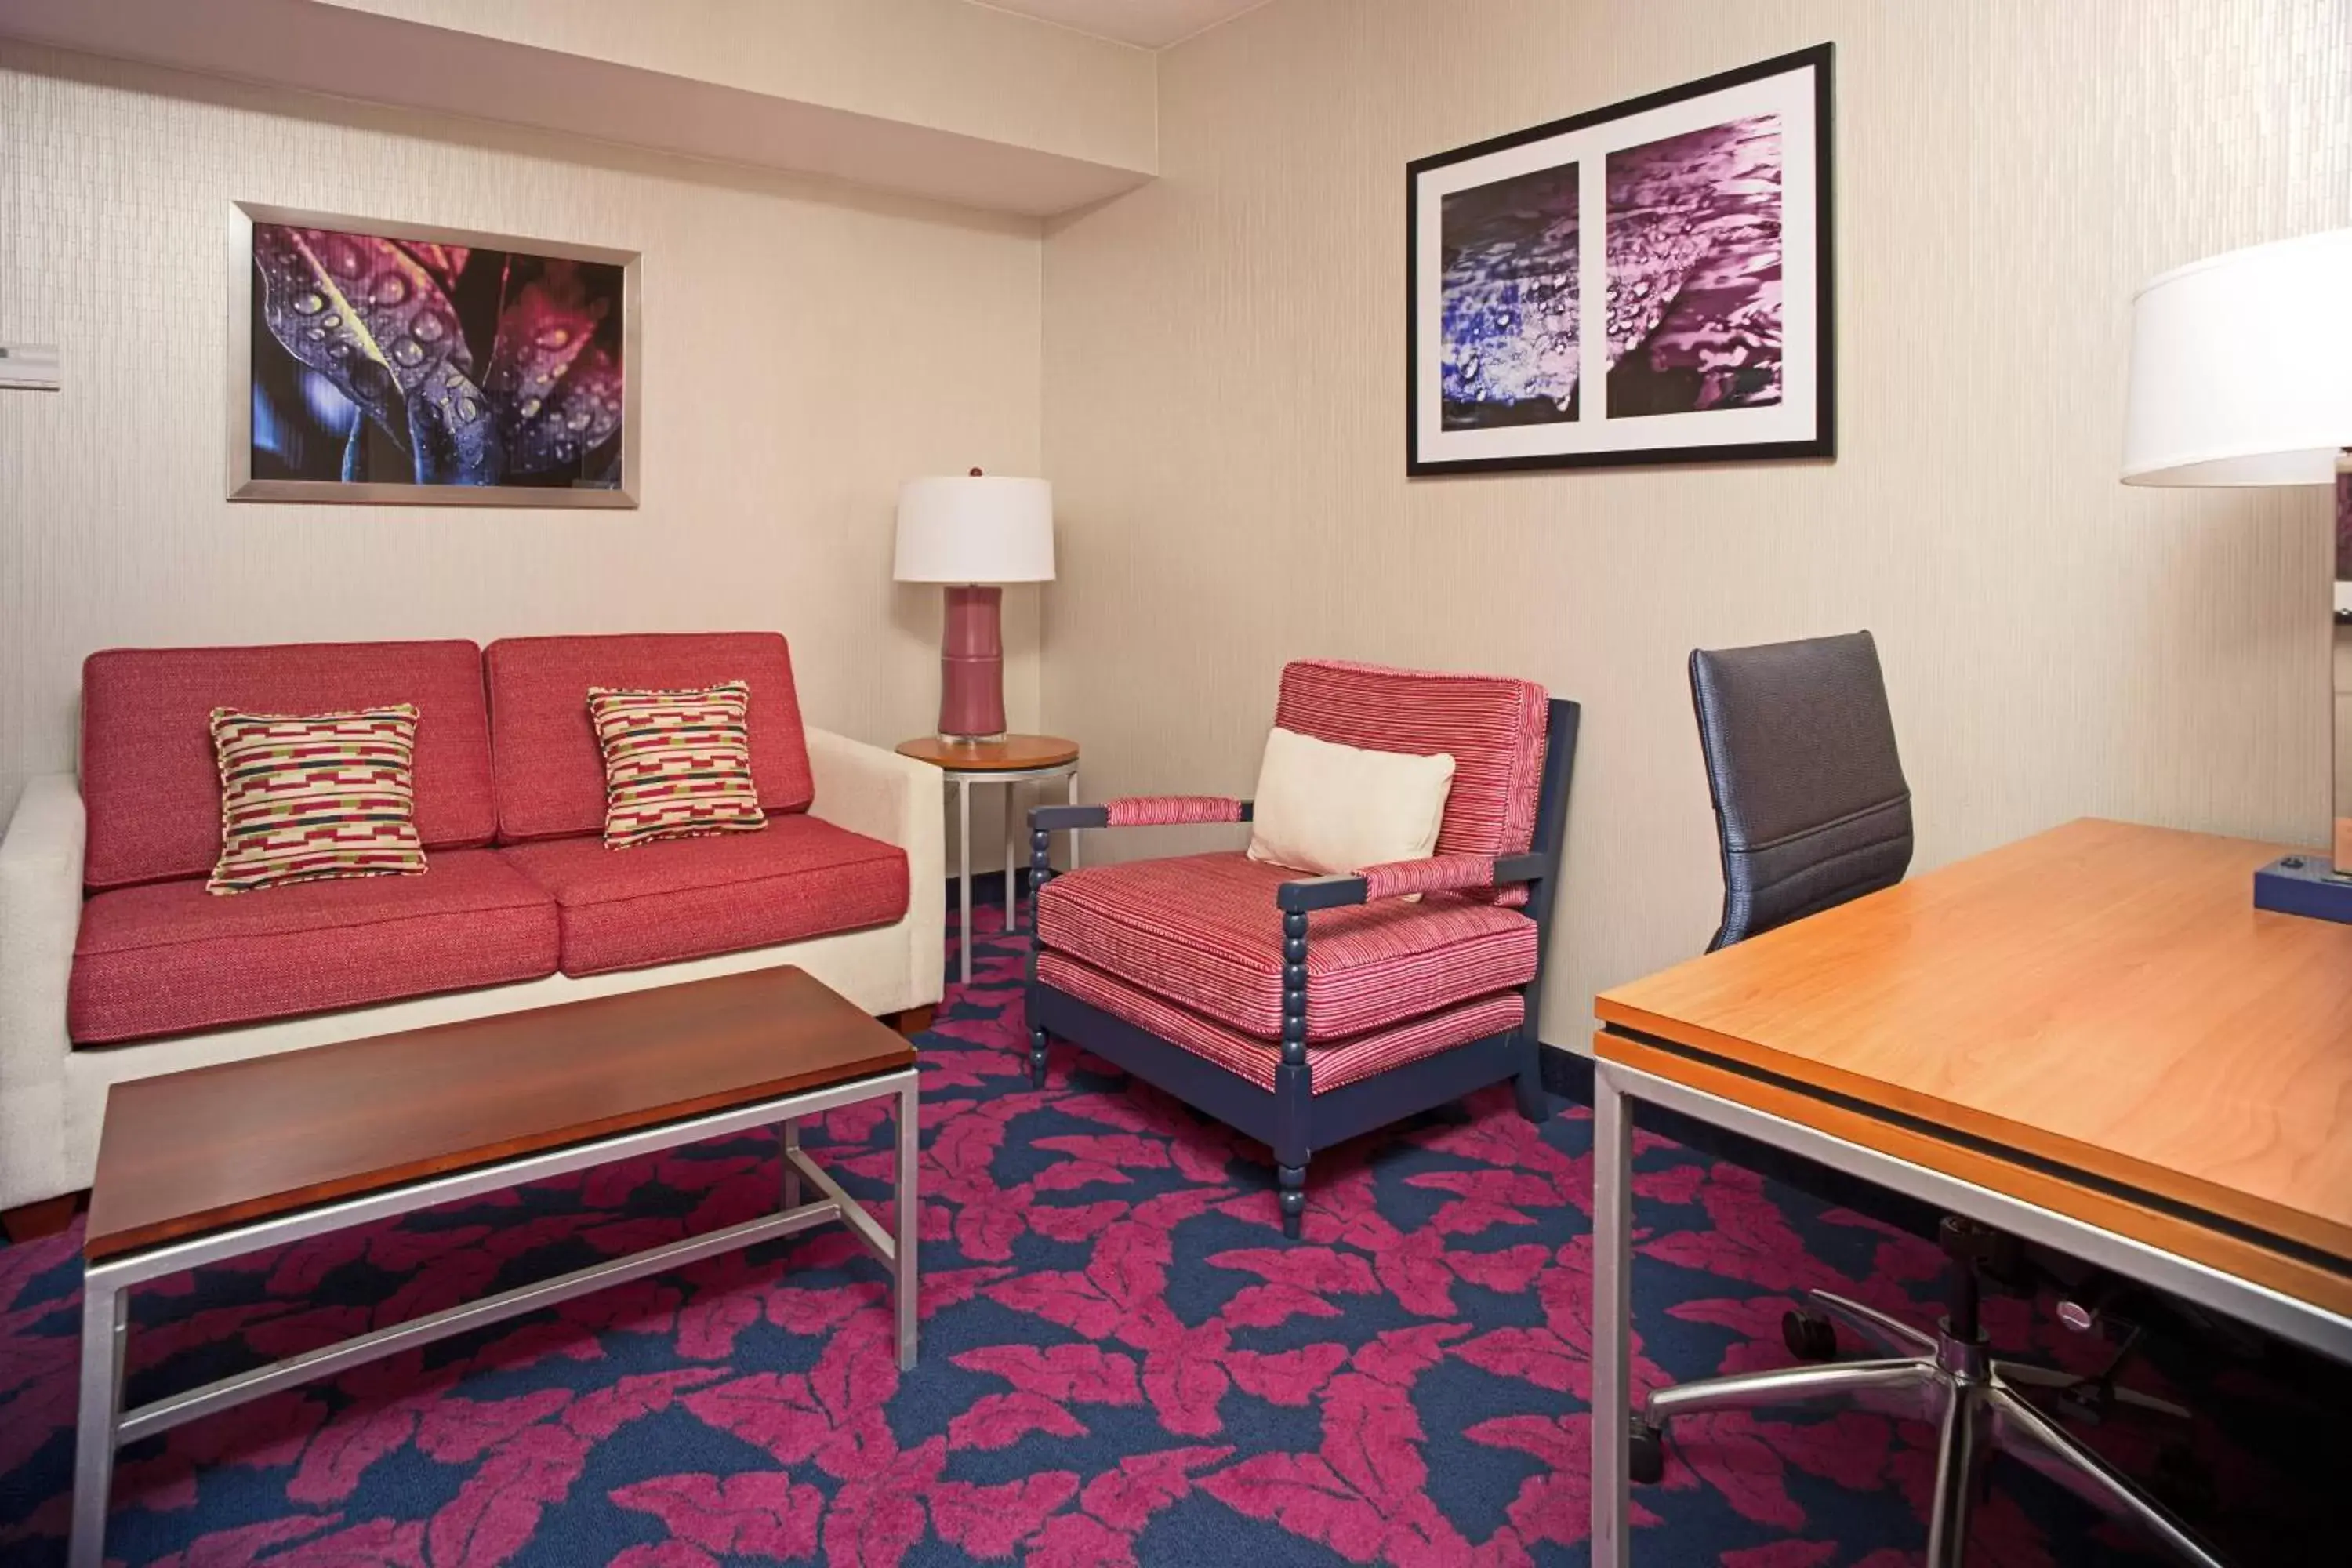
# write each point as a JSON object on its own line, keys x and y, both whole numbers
{"x": 1645, "y": 283}
{"x": 399, "y": 362}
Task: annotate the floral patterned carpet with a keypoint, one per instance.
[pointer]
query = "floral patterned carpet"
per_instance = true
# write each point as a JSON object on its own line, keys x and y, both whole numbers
{"x": 1122, "y": 1362}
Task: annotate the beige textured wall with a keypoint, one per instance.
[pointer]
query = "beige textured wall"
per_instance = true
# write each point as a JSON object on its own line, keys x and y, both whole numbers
{"x": 1224, "y": 389}
{"x": 803, "y": 349}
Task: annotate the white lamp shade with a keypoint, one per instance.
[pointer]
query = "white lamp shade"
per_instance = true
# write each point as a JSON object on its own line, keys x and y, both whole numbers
{"x": 2241, "y": 367}
{"x": 980, "y": 528}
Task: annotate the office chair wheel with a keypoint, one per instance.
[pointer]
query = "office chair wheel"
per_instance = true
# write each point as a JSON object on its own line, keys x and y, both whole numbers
{"x": 1645, "y": 1453}
{"x": 1809, "y": 1336}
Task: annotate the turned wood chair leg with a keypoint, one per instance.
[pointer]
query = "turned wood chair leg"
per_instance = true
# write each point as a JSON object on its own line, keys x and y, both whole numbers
{"x": 1036, "y": 1058}
{"x": 1292, "y": 1179}
{"x": 31, "y": 1222}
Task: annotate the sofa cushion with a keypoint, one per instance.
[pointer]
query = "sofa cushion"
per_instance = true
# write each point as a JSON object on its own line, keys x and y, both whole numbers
{"x": 168, "y": 958}
{"x": 1202, "y": 931}
{"x": 148, "y": 777}
{"x": 691, "y": 898}
{"x": 1332, "y": 1065}
{"x": 551, "y": 771}
{"x": 1492, "y": 726}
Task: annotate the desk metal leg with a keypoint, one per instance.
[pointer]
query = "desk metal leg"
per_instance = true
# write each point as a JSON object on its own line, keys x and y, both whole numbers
{"x": 105, "y": 1324}
{"x": 964, "y": 880}
{"x": 906, "y": 1218}
{"x": 1612, "y": 1269}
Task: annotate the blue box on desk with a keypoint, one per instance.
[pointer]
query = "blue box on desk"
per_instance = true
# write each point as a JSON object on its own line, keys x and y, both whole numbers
{"x": 2305, "y": 885}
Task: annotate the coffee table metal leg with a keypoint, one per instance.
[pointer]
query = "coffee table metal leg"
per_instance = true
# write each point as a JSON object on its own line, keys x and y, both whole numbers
{"x": 790, "y": 1132}
{"x": 105, "y": 1324}
{"x": 907, "y": 1223}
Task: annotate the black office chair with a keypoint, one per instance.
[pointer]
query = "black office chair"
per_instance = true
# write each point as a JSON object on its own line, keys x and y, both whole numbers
{"x": 1813, "y": 811}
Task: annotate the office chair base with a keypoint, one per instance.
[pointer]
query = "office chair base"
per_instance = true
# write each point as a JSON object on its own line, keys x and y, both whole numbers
{"x": 1976, "y": 1404}
{"x": 2308, "y": 884}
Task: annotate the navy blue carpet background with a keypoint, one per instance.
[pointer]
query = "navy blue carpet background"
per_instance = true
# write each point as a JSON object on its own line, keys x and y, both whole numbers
{"x": 1123, "y": 1362}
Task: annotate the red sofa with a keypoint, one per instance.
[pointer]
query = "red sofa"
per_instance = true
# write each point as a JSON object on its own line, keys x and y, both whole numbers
{"x": 521, "y": 903}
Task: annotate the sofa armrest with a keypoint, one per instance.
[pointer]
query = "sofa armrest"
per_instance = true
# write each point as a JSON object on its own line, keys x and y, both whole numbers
{"x": 876, "y": 792}
{"x": 40, "y": 916}
{"x": 1396, "y": 878}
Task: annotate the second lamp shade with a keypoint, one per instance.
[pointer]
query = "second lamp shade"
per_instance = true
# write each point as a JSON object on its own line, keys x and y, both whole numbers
{"x": 976, "y": 529}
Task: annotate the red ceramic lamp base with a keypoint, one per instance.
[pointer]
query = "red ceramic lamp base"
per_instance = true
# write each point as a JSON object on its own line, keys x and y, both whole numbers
{"x": 972, "y": 666}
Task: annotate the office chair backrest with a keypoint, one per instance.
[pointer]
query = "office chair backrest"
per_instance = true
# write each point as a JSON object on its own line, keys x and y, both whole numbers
{"x": 1810, "y": 801}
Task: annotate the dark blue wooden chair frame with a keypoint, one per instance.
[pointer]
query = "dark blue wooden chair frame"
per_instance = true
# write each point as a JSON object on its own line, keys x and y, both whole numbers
{"x": 1291, "y": 1118}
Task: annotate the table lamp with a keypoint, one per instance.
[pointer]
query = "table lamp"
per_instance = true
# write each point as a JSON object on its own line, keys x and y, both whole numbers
{"x": 973, "y": 533}
{"x": 2242, "y": 375}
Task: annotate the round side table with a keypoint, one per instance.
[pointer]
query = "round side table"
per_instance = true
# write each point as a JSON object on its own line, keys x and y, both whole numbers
{"x": 1013, "y": 761}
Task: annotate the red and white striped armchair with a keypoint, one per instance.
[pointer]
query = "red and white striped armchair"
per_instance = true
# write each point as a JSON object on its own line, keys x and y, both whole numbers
{"x": 1306, "y": 1010}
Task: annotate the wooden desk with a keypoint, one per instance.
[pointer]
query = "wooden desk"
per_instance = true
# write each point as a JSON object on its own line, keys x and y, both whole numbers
{"x": 2091, "y": 1037}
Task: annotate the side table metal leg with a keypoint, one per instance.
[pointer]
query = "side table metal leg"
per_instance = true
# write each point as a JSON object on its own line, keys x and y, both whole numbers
{"x": 963, "y": 881}
{"x": 1073, "y": 836}
{"x": 906, "y": 1219}
{"x": 790, "y": 1135}
{"x": 1011, "y": 878}
{"x": 105, "y": 1324}
{"x": 1613, "y": 1217}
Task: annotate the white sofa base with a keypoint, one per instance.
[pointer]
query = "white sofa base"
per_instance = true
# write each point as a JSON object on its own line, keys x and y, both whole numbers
{"x": 53, "y": 1096}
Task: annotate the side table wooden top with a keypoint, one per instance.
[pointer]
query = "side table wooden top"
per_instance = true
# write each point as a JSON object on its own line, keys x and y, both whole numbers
{"x": 194, "y": 1151}
{"x": 1013, "y": 755}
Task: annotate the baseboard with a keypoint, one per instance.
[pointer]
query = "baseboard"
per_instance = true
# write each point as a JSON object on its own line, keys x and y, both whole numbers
{"x": 988, "y": 886}
{"x": 1567, "y": 1073}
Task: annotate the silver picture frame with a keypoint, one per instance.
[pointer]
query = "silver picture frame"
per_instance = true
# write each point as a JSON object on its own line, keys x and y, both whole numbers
{"x": 242, "y": 486}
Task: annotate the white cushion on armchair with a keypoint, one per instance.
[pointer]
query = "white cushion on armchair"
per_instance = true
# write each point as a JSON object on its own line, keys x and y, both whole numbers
{"x": 1329, "y": 808}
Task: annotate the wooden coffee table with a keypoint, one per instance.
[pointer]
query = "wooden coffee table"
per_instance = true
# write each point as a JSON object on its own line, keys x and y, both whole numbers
{"x": 197, "y": 1167}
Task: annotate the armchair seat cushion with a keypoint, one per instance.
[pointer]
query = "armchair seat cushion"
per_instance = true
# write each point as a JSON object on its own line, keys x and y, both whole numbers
{"x": 692, "y": 897}
{"x": 169, "y": 958}
{"x": 1201, "y": 931}
{"x": 1333, "y": 1065}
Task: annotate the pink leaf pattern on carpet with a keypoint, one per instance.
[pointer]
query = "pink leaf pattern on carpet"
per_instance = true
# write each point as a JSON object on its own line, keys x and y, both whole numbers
{"x": 1123, "y": 1362}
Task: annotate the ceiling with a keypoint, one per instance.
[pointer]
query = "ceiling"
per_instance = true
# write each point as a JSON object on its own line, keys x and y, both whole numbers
{"x": 1151, "y": 23}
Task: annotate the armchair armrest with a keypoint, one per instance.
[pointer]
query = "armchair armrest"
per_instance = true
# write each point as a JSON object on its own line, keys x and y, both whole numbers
{"x": 1139, "y": 811}
{"x": 1436, "y": 874}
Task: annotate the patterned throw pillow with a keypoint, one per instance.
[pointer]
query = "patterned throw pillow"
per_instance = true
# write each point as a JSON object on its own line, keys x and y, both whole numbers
{"x": 305, "y": 797}
{"x": 678, "y": 765}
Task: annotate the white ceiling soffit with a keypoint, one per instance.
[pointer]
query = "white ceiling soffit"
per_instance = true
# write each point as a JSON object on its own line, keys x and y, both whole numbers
{"x": 406, "y": 65}
{"x": 1148, "y": 23}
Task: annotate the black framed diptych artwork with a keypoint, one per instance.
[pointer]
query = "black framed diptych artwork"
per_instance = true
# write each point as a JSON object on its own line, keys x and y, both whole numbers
{"x": 1645, "y": 283}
